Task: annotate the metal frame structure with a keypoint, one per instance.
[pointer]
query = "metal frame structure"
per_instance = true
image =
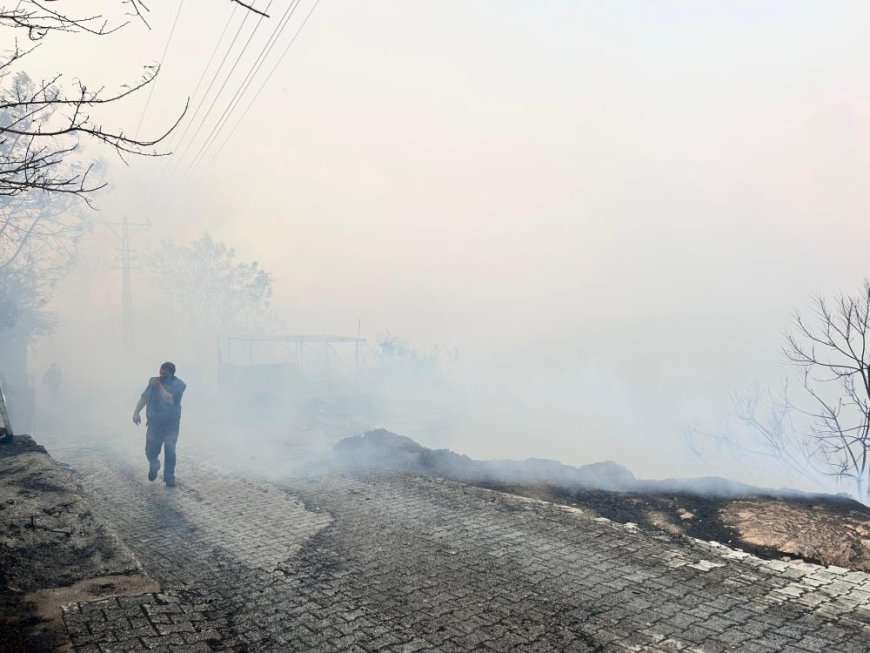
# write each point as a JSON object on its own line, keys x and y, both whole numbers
{"x": 300, "y": 342}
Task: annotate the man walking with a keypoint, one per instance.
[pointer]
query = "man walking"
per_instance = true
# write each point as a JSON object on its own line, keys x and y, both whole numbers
{"x": 162, "y": 401}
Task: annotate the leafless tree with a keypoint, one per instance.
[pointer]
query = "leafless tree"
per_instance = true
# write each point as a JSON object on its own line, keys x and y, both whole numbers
{"x": 761, "y": 435}
{"x": 44, "y": 175}
{"x": 822, "y": 427}
{"x": 41, "y": 122}
{"x": 833, "y": 354}
{"x": 770, "y": 417}
{"x": 39, "y": 17}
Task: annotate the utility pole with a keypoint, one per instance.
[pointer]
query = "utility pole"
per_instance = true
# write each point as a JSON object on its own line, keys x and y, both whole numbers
{"x": 126, "y": 263}
{"x": 126, "y": 288}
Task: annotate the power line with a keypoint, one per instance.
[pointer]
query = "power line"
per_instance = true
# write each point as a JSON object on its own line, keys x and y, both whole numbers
{"x": 226, "y": 80}
{"x": 266, "y": 81}
{"x": 260, "y": 90}
{"x": 213, "y": 53}
{"x": 246, "y": 83}
{"x": 160, "y": 67}
{"x": 167, "y": 162}
{"x": 174, "y": 163}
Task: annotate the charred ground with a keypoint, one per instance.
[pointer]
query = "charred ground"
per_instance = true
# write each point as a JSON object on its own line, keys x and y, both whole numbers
{"x": 823, "y": 529}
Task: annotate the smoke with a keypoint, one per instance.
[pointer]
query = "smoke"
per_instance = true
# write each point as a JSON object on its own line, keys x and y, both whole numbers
{"x": 608, "y": 214}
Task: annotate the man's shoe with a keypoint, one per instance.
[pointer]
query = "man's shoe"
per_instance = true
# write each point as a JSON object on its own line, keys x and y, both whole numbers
{"x": 170, "y": 482}
{"x": 152, "y": 470}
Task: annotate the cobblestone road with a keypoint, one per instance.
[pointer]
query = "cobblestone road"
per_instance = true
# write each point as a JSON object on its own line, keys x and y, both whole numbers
{"x": 336, "y": 562}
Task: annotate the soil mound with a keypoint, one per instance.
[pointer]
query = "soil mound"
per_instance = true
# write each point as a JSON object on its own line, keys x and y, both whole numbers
{"x": 382, "y": 449}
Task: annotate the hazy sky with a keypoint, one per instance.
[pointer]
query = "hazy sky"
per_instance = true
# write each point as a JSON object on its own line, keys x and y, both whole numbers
{"x": 609, "y": 208}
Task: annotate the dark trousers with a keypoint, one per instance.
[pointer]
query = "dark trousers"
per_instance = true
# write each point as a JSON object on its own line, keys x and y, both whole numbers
{"x": 165, "y": 437}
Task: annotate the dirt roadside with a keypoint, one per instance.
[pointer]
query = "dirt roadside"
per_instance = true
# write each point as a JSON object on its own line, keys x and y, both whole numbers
{"x": 53, "y": 550}
{"x": 824, "y": 530}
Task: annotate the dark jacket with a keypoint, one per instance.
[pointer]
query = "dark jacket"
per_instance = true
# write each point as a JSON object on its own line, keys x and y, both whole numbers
{"x": 159, "y": 412}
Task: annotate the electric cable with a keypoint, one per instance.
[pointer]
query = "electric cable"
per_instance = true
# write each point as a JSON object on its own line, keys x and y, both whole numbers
{"x": 266, "y": 81}
{"x": 213, "y": 53}
{"x": 246, "y": 83}
{"x": 160, "y": 66}
{"x": 214, "y": 78}
{"x": 262, "y": 86}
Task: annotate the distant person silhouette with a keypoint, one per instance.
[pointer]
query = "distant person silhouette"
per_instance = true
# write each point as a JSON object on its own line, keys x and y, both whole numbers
{"x": 53, "y": 379}
{"x": 162, "y": 401}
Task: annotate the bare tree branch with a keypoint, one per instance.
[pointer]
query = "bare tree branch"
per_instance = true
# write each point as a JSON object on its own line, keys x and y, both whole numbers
{"x": 826, "y": 431}
{"x": 841, "y": 423}
{"x": 44, "y": 176}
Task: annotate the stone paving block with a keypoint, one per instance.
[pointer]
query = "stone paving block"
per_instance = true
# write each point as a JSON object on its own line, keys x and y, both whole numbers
{"x": 852, "y": 647}
{"x": 122, "y": 647}
{"x": 174, "y": 639}
{"x": 200, "y": 647}
{"x": 381, "y": 562}
{"x": 670, "y": 646}
{"x": 735, "y": 636}
{"x": 759, "y": 647}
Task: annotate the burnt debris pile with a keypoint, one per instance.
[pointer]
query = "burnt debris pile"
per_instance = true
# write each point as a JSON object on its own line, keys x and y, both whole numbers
{"x": 383, "y": 450}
